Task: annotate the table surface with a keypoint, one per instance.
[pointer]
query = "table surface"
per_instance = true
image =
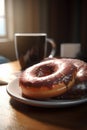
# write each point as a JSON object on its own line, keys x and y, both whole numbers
{"x": 15, "y": 115}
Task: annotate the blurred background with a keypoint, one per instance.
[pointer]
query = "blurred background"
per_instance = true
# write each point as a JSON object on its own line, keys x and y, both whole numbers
{"x": 63, "y": 20}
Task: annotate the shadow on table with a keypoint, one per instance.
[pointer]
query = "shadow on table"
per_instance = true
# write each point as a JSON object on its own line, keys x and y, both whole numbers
{"x": 68, "y": 117}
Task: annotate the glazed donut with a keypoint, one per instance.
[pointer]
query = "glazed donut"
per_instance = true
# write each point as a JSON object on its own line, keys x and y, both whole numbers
{"x": 47, "y": 79}
{"x": 81, "y": 75}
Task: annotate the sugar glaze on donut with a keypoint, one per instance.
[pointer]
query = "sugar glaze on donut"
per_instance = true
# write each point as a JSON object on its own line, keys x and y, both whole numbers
{"x": 47, "y": 79}
{"x": 81, "y": 75}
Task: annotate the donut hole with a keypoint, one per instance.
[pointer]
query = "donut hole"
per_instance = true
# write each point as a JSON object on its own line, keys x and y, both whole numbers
{"x": 45, "y": 71}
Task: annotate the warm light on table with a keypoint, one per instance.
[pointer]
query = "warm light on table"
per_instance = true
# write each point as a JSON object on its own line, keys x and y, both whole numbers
{"x": 7, "y": 70}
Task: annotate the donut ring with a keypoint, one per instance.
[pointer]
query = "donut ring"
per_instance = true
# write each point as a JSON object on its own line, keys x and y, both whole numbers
{"x": 47, "y": 79}
{"x": 81, "y": 75}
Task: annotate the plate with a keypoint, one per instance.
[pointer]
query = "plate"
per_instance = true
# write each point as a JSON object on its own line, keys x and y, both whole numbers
{"x": 14, "y": 91}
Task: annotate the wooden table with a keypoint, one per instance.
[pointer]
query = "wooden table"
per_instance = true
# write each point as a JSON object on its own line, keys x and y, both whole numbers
{"x": 15, "y": 115}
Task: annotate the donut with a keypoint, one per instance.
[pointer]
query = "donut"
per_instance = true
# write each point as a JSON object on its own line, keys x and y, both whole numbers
{"x": 81, "y": 75}
{"x": 47, "y": 79}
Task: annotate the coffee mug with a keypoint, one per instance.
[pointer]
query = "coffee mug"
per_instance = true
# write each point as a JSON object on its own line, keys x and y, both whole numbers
{"x": 32, "y": 48}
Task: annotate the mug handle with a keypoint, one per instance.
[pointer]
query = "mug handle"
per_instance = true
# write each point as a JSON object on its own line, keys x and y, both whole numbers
{"x": 53, "y": 44}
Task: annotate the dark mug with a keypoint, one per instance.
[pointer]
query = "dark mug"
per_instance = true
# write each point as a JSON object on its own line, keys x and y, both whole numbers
{"x": 31, "y": 48}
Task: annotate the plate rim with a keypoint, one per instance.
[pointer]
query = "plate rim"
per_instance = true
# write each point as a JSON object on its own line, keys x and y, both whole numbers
{"x": 40, "y": 103}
